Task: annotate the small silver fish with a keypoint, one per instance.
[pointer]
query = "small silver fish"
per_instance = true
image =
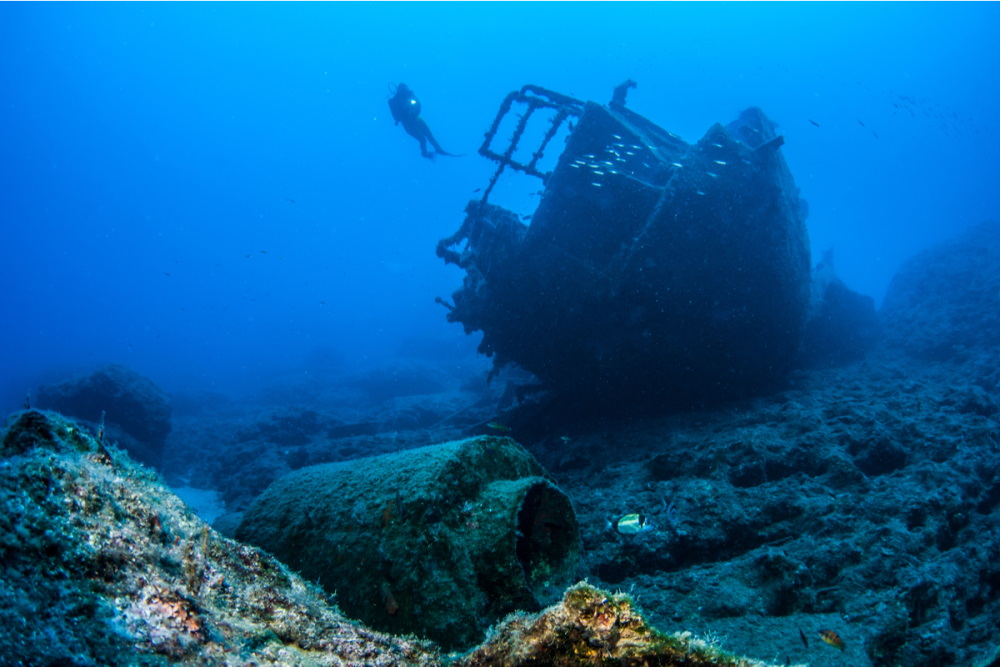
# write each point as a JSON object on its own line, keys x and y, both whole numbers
{"x": 616, "y": 137}
{"x": 699, "y": 192}
{"x": 596, "y": 184}
{"x": 722, "y": 162}
{"x": 677, "y": 164}
{"x": 711, "y": 174}
{"x": 717, "y": 145}
{"x": 598, "y": 173}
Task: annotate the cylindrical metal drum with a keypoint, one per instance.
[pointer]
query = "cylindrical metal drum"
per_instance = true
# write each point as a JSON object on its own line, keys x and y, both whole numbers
{"x": 440, "y": 541}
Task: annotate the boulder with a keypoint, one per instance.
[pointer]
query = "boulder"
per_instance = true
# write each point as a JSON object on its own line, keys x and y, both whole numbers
{"x": 135, "y": 412}
{"x": 944, "y": 303}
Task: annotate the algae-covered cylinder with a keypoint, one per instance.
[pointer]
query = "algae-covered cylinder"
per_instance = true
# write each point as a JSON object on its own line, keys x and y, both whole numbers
{"x": 440, "y": 541}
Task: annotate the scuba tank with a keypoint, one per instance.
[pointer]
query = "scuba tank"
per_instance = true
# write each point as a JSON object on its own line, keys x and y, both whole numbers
{"x": 403, "y": 104}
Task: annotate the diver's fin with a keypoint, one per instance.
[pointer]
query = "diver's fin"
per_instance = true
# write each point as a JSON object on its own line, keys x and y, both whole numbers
{"x": 437, "y": 147}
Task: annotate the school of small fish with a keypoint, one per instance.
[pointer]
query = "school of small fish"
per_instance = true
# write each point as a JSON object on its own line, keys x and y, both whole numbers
{"x": 618, "y": 158}
{"x": 615, "y": 159}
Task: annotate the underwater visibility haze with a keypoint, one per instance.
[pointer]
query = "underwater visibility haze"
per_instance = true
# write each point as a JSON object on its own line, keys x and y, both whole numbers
{"x": 221, "y": 252}
{"x": 213, "y": 193}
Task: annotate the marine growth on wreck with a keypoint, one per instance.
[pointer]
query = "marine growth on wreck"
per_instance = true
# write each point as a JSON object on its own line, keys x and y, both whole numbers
{"x": 653, "y": 272}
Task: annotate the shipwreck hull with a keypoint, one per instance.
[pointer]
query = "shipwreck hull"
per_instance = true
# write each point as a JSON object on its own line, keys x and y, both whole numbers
{"x": 654, "y": 272}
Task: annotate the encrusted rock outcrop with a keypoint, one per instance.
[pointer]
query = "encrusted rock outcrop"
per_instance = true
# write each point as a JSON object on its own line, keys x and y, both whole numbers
{"x": 110, "y": 568}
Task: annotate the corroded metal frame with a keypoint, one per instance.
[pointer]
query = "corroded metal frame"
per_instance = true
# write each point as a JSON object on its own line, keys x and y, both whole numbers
{"x": 534, "y": 97}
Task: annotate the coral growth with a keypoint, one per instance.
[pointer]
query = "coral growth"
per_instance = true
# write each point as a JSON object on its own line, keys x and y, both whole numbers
{"x": 592, "y": 628}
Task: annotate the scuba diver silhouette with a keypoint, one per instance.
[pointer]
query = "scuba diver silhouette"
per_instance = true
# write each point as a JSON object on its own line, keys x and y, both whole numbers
{"x": 405, "y": 108}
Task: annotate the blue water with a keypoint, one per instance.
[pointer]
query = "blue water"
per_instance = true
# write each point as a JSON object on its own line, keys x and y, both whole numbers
{"x": 216, "y": 194}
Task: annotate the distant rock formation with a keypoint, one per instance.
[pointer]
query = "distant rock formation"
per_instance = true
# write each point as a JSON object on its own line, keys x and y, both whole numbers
{"x": 136, "y": 411}
{"x": 842, "y": 326}
{"x": 944, "y": 303}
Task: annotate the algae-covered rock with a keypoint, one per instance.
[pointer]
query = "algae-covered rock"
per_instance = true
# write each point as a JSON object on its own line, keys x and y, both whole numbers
{"x": 441, "y": 541}
{"x": 104, "y": 566}
{"x": 591, "y": 627}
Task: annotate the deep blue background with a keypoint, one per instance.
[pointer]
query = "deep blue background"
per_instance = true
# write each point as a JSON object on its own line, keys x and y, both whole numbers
{"x": 149, "y": 153}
